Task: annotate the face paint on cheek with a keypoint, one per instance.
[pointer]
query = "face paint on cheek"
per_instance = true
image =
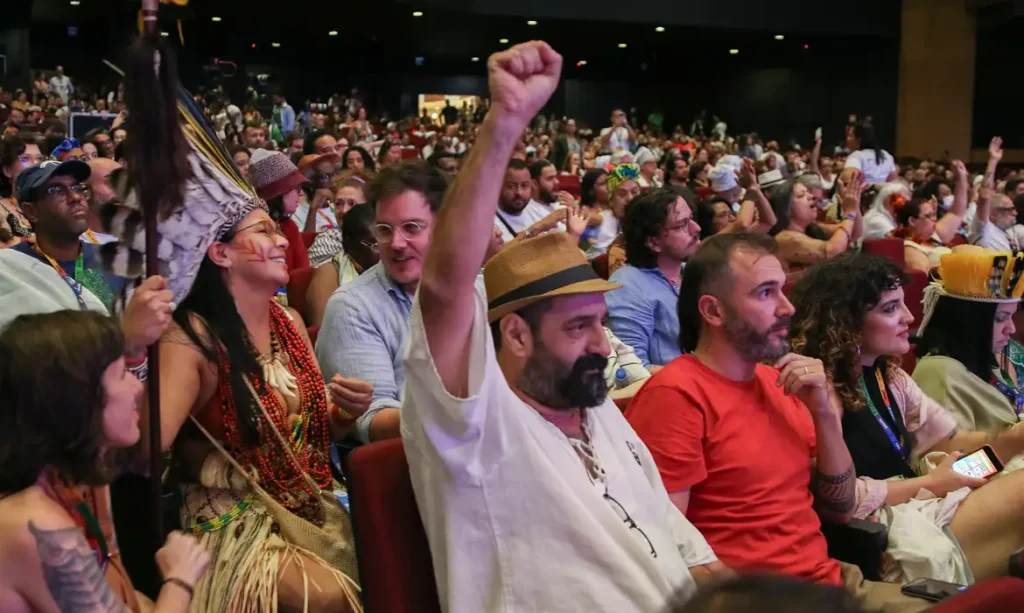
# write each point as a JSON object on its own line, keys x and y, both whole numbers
{"x": 251, "y": 250}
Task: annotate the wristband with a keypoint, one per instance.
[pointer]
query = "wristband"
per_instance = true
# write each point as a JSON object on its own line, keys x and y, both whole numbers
{"x": 850, "y": 216}
{"x": 178, "y": 582}
{"x": 136, "y": 360}
{"x": 141, "y": 371}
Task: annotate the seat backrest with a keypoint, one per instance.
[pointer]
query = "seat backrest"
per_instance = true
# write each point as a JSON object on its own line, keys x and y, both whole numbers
{"x": 395, "y": 566}
{"x": 298, "y": 282}
{"x": 913, "y": 295}
{"x": 891, "y": 248}
{"x": 993, "y": 596}
{"x": 600, "y": 265}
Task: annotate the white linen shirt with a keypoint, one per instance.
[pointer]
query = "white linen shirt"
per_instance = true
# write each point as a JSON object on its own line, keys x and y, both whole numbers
{"x": 513, "y": 520}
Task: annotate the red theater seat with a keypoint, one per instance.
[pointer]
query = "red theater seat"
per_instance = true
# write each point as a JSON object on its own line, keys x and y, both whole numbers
{"x": 1001, "y": 595}
{"x": 600, "y": 265}
{"x": 395, "y": 567}
{"x": 891, "y": 248}
{"x": 913, "y": 295}
{"x": 298, "y": 282}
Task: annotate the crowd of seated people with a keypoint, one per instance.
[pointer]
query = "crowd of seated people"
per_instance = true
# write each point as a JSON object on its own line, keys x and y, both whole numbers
{"x": 658, "y": 361}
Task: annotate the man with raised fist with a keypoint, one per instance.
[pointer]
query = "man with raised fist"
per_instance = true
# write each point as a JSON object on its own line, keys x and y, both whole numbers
{"x": 535, "y": 493}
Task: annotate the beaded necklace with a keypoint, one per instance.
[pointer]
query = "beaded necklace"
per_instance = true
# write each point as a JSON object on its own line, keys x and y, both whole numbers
{"x": 309, "y": 430}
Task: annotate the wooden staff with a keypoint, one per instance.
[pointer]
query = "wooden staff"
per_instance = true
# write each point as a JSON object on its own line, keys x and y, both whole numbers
{"x": 150, "y": 9}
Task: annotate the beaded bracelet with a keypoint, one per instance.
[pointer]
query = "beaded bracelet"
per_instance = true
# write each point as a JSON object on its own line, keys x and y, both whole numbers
{"x": 141, "y": 371}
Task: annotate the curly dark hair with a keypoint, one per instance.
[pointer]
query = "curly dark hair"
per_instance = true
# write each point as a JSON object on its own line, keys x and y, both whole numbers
{"x": 831, "y": 301}
{"x": 645, "y": 218}
{"x": 781, "y": 198}
{"x": 51, "y": 380}
{"x": 368, "y": 164}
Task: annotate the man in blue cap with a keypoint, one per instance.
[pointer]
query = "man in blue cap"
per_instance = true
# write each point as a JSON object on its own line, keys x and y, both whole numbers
{"x": 55, "y": 199}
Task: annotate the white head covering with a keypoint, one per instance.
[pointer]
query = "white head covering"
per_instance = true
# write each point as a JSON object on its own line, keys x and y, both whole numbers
{"x": 886, "y": 191}
{"x": 643, "y": 155}
{"x": 724, "y": 175}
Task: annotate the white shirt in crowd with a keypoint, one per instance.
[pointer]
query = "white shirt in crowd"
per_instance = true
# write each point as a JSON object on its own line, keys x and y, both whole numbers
{"x": 990, "y": 236}
{"x": 864, "y": 160}
{"x": 324, "y": 217}
{"x": 878, "y": 223}
{"x": 61, "y": 85}
{"x": 532, "y": 213}
{"x": 619, "y": 140}
{"x": 607, "y": 232}
{"x": 513, "y": 519}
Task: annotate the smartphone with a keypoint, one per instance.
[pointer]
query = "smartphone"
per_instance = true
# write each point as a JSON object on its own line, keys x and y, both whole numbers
{"x": 982, "y": 463}
{"x": 932, "y": 589}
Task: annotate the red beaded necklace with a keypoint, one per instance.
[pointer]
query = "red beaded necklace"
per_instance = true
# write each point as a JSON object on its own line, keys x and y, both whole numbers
{"x": 308, "y": 431}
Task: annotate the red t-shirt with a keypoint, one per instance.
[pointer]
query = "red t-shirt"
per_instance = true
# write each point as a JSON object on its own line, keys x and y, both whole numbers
{"x": 745, "y": 450}
{"x": 296, "y": 256}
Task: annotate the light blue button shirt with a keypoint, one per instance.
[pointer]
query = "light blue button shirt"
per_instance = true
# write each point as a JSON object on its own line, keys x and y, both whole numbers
{"x": 642, "y": 313}
{"x": 363, "y": 335}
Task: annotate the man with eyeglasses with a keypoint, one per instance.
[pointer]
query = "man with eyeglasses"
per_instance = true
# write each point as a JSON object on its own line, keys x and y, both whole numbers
{"x": 316, "y": 211}
{"x": 995, "y": 222}
{"x": 55, "y": 199}
{"x": 660, "y": 234}
{"x": 366, "y": 324}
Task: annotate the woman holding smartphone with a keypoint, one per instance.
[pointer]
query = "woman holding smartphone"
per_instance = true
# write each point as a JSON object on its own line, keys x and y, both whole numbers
{"x": 850, "y": 314}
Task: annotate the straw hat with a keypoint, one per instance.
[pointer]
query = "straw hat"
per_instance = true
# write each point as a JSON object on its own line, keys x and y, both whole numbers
{"x": 537, "y": 268}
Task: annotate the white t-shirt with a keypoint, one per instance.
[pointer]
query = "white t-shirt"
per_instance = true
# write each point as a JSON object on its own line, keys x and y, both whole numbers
{"x": 607, "y": 232}
{"x": 513, "y": 520}
{"x": 324, "y": 217}
{"x": 532, "y": 213}
{"x": 990, "y": 236}
{"x": 619, "y": 140}
{"x": 877, "y": 223}
{"x": 864, "y": 160}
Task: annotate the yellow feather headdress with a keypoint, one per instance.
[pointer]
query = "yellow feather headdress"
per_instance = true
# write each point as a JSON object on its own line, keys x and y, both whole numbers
{"x": 976, "y": 274}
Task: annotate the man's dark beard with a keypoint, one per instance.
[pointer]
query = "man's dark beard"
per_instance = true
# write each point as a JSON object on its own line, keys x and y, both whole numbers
{"x": 548, "y": 197}
{"x": 752, "y": 344}
{"x": 512, "y": 207}
{"x": 555, "y": 384}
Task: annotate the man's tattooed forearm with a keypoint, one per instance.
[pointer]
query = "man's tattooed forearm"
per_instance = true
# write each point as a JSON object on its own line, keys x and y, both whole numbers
{"x": 72, "y": 573}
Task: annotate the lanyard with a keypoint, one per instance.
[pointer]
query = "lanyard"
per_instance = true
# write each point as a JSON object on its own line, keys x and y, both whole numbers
{"x": 1012, "y": 394}
{"x": 72, "y": 282}
{"x": 897, "y": 445}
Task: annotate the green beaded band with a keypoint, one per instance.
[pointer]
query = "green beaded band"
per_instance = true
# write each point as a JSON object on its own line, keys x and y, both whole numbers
{"x": 219, "y": 522}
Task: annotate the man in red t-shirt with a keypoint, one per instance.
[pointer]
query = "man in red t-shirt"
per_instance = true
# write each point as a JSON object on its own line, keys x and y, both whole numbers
{"x": 751, "y": 453}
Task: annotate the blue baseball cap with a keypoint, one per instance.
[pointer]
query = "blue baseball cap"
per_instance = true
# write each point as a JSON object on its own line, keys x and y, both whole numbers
{"x": 30, "y": 179}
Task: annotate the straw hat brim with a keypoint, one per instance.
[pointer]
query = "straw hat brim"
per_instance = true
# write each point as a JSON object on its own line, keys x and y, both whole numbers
{"x": 590, "y": 286}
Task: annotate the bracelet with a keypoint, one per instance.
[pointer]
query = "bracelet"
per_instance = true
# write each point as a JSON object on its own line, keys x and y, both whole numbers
{"x": 178, "y": 582}
{"x": 850, "y": 216}
{"x": 140, "y": 371}
{"x": 131, "y": 361}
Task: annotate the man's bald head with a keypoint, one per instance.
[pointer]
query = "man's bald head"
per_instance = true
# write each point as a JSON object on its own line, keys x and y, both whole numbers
{"x": 99, "y": 181}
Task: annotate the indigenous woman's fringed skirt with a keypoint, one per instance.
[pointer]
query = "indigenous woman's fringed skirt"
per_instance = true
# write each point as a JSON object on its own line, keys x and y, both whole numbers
{"x": 248, "y": 556}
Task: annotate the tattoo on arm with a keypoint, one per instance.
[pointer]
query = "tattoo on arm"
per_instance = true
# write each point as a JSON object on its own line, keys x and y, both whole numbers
{"x": 72, "y": 573}
{"x": 836, "y": 493}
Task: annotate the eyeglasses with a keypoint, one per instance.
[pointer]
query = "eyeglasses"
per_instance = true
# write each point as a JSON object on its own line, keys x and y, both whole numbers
{"x": 60, "y": 192}
{"x": 930, "y": 216}
{"x": 1003, "y": 209}
{"x": 409, "y": 230}
{"x": 624, "y": 516}
{"x": 265, "y": 227}
{"x": 371, "y": 246}
{"x": 30, "y": 160}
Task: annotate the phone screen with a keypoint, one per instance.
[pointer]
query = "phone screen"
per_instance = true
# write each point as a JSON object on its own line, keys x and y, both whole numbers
{"x": 976, "y": 464}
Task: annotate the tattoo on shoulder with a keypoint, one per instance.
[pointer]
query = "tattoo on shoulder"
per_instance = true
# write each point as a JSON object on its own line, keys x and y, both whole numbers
{"x": 72, "y": 573}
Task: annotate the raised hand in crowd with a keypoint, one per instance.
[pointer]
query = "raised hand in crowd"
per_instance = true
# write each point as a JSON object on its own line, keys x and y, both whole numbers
{"x": 147, "y": 315}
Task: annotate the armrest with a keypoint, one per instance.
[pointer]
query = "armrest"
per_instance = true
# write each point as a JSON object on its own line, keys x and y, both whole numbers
{"x": 860, "y": 542}
{"x": 1017, "y": 564}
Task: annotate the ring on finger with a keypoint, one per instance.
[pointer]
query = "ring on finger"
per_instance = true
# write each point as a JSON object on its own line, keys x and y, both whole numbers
{"x": 806, "y": 371}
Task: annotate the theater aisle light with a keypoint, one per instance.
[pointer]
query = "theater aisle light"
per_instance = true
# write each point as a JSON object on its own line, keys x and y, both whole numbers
{"x": 531, "y": 23}
{"x": 780, "y": 37}
{"x": 503, "y": 41}
{"x": 581, "y": 63}
{"x": 165, "y": 34}
{"x": 474, "y": 59}
{"x": 214, "y": 18}
{"x": 332, "y": 33}
{"x": 622, "y": 45}
{"x": 75, "y": 2}
{"x": 734, "y": 51}
{"x": 806, "y": 47}
{"x": 417, "y": 13}
{"x": 659, "y": 29}
{"x": 275, "y": 45}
